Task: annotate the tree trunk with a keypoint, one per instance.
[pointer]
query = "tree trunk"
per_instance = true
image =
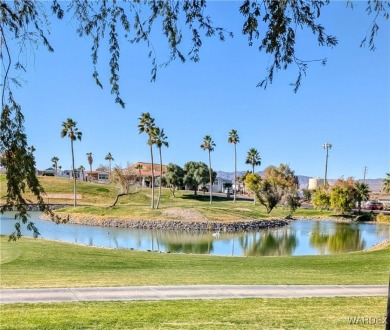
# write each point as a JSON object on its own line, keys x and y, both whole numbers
{"x": 235, "y": 173}
{"x": 74, "y": 175}
{"x": 254, "y": 198}
{"x": 159, "y": 186}
{"x": 211, "y": 184}
{"x": 152, "y": 183}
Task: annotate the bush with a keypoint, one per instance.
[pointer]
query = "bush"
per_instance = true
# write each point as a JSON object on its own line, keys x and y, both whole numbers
{"x": 383, "y": 218}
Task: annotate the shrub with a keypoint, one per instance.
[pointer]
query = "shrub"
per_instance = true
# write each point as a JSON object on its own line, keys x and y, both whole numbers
{"x": 383, "y": 218}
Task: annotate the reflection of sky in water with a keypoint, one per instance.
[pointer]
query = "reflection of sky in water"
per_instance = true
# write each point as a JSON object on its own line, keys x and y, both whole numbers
{"x": 299, "y": 238}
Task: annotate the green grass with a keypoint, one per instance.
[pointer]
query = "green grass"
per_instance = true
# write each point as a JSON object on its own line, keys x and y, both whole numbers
{"x": 29, "y": 263}
{"x": 97, "y": 197}
{"x": 304, "y": 313}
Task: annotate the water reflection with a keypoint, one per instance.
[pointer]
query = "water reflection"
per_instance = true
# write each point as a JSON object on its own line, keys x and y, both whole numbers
{"x": 343, "y": 238}
{"x": 298, "y": 238}
{"x": 270, "y": 243}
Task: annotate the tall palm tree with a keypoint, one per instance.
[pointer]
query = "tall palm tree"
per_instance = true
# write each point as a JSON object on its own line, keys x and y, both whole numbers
{"x": 55, "y": 160}
{"x": 70, "y": 130}
{"x": 110, "y": 159}
{"x": 159, "y": 139}
{"x": 233, "y": 138}
{"x": 253, "y": 158}
{"x": 90, "y": 161}
{"x": 146, "y": 125}
{"x": 208, "y": 144}
{"x": 386, "y": 184}
{"x": 362, "y": 193}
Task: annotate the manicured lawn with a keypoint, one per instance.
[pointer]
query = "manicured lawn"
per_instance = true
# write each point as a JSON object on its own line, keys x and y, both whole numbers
{"x": 304, "y": 313}
{"x": 29, "y": 263}
{"x": 97, "y": 197}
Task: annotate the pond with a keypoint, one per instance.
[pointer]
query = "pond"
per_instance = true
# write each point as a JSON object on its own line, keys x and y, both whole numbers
{"x": 299, "y": 238}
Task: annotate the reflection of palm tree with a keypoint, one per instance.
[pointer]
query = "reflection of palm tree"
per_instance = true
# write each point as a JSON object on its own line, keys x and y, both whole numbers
{"x": 70, "y": 130}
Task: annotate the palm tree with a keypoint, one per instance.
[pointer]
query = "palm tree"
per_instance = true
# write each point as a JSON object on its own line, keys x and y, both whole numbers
{"x": 90, "y": 161}
{"x": 146, "y": 125}
{"x": 159, "y": 139}
{"x": 362, "y": 193}
{"x": 70, "y": 130}
{"x": 253, "y": 158}
{"x": 81, "y": 169}
{"x": 55, "y": 163}
{"x": 208, "y": 144}
{"x": 139, "y": 167}
{"x": 233, "y": 138}
{"x": 110, "y": 159}
{"x": 386, "y": 184}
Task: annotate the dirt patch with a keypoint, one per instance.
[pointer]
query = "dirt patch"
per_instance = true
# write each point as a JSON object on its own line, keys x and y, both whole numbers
{"x": 63, "y": 196}
{"x": 184, "y": 214}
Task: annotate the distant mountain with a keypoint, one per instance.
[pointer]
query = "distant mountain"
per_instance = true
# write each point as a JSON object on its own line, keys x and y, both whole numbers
{"x": 374, "y": 184}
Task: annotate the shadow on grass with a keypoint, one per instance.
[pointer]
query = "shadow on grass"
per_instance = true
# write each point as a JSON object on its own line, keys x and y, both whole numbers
{"x": 205, "y": 198}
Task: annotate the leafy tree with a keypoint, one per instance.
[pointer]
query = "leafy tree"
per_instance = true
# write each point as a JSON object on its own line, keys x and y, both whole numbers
{"x": 174, "y": 177}
{"x": 159, "y": 139}
{"x": 277, "y": 183}
{"x": 386, "y": 184}
{"x": 124, "y": 182}
{"x": 146, "y": 125}
{"x": 90, "y": 162}
{"x": 54, "y": 161}
{"x": 321, "y": 198}
{"x": 362, "y": 193}
{"x": 234, "y": 139}
{"x": 307, "y": 194}
{"x": 110, "y": 159}
{"x": 70, "y": 130}
{"x": 195, "y": 174}
{"x": 208, "y": 144}
{"x": 342, "y": 195}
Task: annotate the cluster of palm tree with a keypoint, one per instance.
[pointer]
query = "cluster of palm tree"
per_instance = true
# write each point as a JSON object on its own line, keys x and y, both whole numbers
{"x": 157, "y": 137}
{"x": 253, "y": 158}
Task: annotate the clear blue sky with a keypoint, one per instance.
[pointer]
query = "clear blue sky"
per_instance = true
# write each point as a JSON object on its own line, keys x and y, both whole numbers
{"x": 345, "y": 103}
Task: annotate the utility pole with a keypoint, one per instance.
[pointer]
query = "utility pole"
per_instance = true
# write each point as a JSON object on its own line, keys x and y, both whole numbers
{"x": 364, "y": 174}
{"x": 326, "y": 146}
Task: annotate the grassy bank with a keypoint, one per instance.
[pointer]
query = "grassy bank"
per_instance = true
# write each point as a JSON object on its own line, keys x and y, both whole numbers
{"x": 304, "y": 313}
{"x": 95, "y": 199}
{"x": 55, "y": 264}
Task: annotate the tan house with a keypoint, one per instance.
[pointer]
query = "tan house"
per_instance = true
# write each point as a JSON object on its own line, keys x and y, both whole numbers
{"x": 144, "y": 171}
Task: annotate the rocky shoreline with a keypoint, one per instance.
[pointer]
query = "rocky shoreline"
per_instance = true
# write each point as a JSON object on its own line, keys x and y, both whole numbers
{"x": 179, "y": 225}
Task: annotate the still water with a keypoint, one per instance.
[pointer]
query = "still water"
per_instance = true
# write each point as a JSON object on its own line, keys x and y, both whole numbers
{"x": 298, "y": 238}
